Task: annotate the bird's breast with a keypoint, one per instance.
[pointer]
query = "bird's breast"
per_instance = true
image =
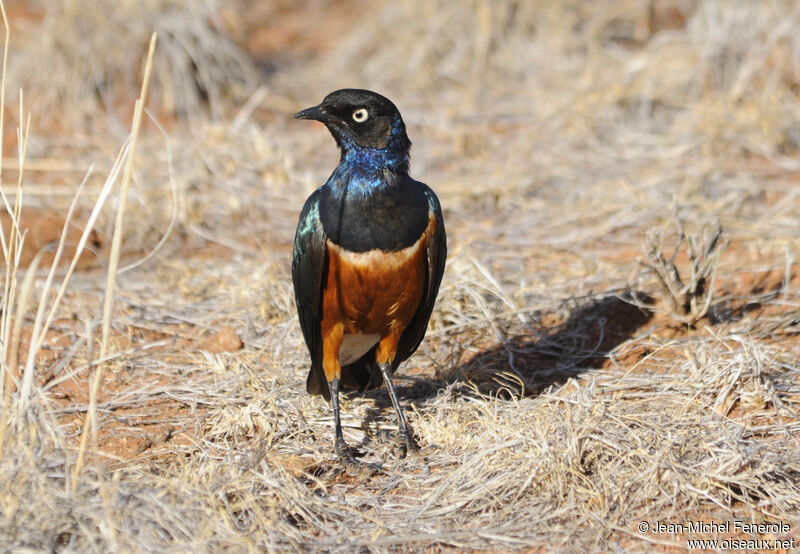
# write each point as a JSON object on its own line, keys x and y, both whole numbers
{"x": 377, "y": 291}
{"x": 363, "y": 219}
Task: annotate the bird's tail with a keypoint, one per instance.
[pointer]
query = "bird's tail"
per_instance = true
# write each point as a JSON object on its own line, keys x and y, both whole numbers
{"x": 316, "y": 383}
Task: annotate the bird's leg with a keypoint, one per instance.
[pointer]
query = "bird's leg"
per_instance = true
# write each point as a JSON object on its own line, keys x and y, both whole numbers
{"x": 405, "y": 430}
{"x": 343, "y": 452}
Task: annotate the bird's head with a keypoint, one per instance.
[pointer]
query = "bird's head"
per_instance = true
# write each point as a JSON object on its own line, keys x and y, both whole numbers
{"x": 363, "y": 123}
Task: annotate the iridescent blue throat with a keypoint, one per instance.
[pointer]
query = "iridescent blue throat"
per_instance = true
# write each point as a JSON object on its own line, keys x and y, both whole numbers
{"x": 363, "y": 170}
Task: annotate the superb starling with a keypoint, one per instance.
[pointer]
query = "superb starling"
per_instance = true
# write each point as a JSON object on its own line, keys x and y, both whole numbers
{"x": 369, "y": 254}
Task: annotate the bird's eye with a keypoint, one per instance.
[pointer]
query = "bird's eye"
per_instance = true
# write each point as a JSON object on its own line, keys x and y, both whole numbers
{"x": 360, "y": 115}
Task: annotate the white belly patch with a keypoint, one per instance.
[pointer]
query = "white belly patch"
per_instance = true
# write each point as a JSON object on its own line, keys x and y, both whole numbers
{"x": 355, "y": 346}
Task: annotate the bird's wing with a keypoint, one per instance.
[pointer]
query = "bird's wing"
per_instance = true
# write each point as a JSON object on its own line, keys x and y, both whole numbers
{"x": 437, "y": 254}
{"x": 309, "y": 265}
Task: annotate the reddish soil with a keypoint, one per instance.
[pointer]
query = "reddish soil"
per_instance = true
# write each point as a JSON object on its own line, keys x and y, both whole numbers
{"x": 42, "y": 232}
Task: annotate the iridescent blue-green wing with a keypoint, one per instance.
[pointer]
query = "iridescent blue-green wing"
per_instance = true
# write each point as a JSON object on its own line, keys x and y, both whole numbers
{"x": 437, "y": 254}
{"x": 309, "y": 267}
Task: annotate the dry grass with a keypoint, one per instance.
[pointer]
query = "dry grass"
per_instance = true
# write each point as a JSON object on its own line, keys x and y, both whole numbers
{"x": 83, "y": 53}
{"x": 552, "y": 411}
{"x": 687, "y": 298}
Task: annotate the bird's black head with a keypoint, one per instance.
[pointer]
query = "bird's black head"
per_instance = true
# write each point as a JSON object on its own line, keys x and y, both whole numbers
{"x": 361, "y": 118}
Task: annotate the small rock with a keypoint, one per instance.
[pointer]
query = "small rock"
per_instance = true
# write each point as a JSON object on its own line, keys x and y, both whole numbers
{"x": 224, "y": 340}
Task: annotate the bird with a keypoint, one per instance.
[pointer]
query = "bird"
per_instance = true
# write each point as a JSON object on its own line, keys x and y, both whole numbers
{"x": 368, "y": 258}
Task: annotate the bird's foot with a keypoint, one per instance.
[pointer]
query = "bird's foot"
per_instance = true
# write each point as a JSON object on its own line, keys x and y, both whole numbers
{"x": 348, "y": 458}
{"x": 401, "y": 440}
{"x": 409, "y": 443}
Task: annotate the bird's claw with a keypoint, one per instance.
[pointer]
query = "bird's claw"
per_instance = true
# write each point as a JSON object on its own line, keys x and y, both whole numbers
{"x": 347, "y": 458}
{"x": 408, "y": 443}
{"x": 401, "y": 440}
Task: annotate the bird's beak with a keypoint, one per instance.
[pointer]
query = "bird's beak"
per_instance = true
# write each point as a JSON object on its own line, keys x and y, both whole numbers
{"x": 316, "y": 113}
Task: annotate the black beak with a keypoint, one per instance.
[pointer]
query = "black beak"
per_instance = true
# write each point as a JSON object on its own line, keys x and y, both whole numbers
{"x": 317, "y": 113}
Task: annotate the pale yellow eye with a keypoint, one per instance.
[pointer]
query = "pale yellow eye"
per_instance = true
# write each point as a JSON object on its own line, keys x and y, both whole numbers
{"x": 360, "y": 115}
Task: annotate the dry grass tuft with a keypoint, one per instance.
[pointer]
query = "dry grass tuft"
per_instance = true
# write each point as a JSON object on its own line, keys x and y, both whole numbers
{"x": 686, "y": 298}
{"x": 86, "y": 51}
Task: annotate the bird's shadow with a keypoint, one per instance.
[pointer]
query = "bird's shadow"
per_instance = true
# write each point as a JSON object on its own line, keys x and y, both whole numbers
{"x": 527, "y": 364}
